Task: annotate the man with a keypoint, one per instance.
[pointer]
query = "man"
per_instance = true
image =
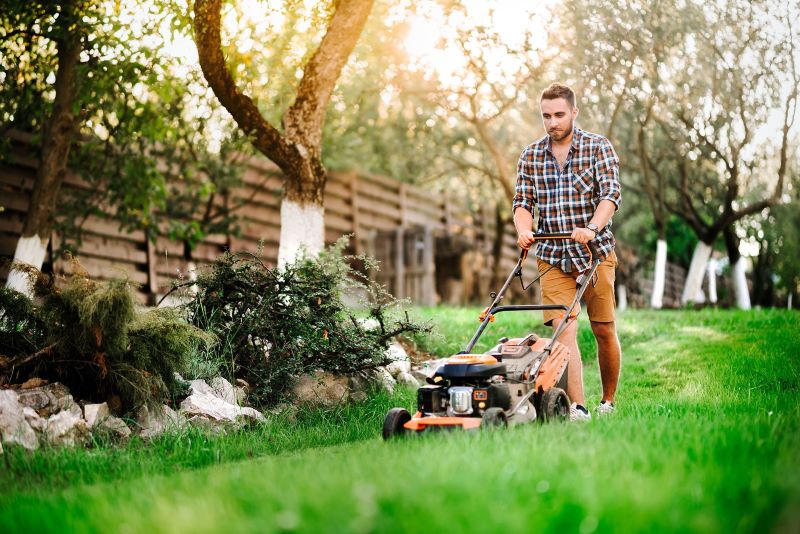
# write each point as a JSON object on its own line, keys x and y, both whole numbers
{"x": 572, "y": 176}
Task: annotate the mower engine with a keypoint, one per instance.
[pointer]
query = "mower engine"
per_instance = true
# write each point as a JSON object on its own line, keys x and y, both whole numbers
{"x": 508, "y": 384}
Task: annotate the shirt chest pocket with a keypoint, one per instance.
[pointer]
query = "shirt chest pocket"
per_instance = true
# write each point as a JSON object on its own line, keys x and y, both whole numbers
{"x": 583, "y": 181}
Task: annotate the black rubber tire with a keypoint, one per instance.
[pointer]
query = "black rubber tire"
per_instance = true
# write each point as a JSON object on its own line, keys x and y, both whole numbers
{"x": 494, "y": 418}
{"x": 555, "y": 405}
{"x": 394, "y": 421}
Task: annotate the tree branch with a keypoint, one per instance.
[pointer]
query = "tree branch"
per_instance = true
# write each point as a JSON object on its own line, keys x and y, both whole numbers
{"x": 266, "y": 137}
{"x": 303, "y": 120}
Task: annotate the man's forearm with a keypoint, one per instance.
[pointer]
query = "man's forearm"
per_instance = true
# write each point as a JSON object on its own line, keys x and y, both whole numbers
{"x": 602, "y": 214}
{"x": 523, "y": 220}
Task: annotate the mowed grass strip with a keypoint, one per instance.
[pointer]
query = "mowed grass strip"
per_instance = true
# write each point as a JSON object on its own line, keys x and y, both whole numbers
{"x": 706, "y": 440}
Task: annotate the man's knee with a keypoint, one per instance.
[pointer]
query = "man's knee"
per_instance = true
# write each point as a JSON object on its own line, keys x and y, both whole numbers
{"x": 605, "y": 331}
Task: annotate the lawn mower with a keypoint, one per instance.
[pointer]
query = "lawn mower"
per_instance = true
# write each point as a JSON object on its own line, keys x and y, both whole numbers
{"x": 519, "y": 380}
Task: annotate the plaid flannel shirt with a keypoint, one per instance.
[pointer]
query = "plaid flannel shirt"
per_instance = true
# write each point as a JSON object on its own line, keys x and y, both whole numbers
{"x": 567, "y": 198}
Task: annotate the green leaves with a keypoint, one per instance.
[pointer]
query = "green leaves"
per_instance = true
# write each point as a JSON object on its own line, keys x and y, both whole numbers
{"x": 277, "y": 324}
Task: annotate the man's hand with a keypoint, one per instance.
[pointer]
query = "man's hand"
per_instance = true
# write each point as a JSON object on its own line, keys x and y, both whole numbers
{"x": 583, "y": 235}
{"x": 525, "y": 240}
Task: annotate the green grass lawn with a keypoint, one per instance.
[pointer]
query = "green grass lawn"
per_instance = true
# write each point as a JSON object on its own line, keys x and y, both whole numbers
{"x": 706, "y": 439}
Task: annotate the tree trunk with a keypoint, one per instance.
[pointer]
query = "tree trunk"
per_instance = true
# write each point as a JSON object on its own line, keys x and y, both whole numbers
{"x": 712, "y": 280}
{"x": 740, "y": 289}
{"x": 692, "y": 288}
{"x": 622, "y": 297}
{"x": 57, "y": 137}
{"x": 659, "y": 277}
{"x": 296, "y": 150}
{"x": 302, "y": 230}
{"x": 738, "y": 269}
{"x": 302, "y": 208}
{"x": 763, "y": 286}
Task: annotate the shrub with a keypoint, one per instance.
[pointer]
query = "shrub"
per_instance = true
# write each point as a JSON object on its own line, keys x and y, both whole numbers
{"x": 21, "y": 330}
{"x": 92, "y": 338}
{"x": 276, "y": 324}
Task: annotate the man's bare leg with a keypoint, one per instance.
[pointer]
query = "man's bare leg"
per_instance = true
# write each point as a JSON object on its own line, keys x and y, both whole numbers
{"x": 569, "y": 337}
{"x": 608, "y": 357}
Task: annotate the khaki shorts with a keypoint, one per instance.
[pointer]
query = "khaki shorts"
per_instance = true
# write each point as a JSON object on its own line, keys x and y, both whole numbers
{"x": 559, "y": 287}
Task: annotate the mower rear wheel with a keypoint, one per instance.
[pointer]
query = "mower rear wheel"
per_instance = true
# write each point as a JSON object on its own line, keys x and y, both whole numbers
{"x": 394, "y": 421}
{"x": 555, "y": 405}
{"x": 493, "y": 418}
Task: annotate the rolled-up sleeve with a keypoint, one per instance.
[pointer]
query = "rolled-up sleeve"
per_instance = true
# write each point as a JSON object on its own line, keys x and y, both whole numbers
{"x": 524, "y": 190}
{"x": 607, "y": 173}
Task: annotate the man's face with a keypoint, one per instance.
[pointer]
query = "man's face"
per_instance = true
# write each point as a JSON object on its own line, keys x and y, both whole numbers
{"x": 558, "y": 118}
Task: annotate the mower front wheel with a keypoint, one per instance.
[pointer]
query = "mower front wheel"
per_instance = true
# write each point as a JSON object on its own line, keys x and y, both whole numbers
{"x": 555, "y": 405}
{"x": 493, "y": 418}
{"x": 394, "y": 421}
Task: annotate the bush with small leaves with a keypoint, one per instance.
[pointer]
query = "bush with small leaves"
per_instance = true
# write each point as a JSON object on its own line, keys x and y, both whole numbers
{"x": 275, "y": 324}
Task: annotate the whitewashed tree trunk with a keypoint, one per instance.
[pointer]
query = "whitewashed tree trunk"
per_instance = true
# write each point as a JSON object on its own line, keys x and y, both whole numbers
{"x": 191, "y": 267}
{"x": 659, "y": 277}
{"x": 693, "y": 287}
{"x": 712, "y": 281}
{"x": 302, "y": 230}
{"x": 57, "y": 138}
{"x": 622, "y": 297}
{"x": 740, "y": 288}
{"x": 30, "y": 251}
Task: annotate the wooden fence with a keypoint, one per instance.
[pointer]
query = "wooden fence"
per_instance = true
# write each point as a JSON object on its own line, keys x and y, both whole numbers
{"x": 397, "y": 223}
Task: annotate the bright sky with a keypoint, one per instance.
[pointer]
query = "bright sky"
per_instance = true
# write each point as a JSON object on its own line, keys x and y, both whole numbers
{"x": 432, "y": 38}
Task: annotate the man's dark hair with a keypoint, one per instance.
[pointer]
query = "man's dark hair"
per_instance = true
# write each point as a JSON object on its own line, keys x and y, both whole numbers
{"x": 558, "y": 90}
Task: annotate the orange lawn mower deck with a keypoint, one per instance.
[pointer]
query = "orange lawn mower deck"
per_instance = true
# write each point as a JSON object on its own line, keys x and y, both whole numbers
{"x": 519, "y": 380}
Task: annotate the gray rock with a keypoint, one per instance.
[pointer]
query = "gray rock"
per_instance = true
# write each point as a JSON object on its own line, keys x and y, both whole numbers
{"x": 407, "y": 379}
{"x": 14, "y": 428}
{"x": 242, "y": 390}
{"x": 200, "y": 386}
{"x": 47, "y": 400}
{"x": 397, "y": 353}
{"x": 75, "y": 410}
{"x": 358, "y": 396}
{"x": 369, "y": 323}
{"x": 152, "y": 423}
{"x": 400, "y": 361}
{"x": 397, "y": 368}
{"x": 385, "y": 380}
{"x": 67, "y": 429}
{"x": 95, "y": 413}
{"x": 38, "y": 423}
{"x": 98, "y": 417}
{"x": 224, "y": 390}
{"x": 321, "y": 389}
{"x": 115, "y": 426}
{"x": 205, "y": 409}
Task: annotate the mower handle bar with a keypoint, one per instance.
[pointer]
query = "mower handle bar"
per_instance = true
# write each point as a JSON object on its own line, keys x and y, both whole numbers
{"x": 494, "y": 306}
{"x": 591, "y": 248}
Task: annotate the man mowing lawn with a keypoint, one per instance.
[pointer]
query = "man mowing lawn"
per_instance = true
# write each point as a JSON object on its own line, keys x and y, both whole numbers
{"x": 572, "y": 176}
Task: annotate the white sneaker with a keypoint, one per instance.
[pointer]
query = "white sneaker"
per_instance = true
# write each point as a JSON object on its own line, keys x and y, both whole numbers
{"x": 605, "y": 408}
{"x": 579, "y": 413}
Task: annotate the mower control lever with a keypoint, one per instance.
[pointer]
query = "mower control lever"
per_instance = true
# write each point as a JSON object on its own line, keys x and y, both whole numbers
{"x": 590, "y": 246}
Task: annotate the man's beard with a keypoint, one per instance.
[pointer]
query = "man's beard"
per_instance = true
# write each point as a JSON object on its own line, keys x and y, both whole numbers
{"x": 556, "y": 137}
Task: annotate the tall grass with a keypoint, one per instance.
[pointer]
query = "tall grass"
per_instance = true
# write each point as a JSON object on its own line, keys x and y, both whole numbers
{"x": 285, "y": 431}
{"x": 706, "y": 439}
